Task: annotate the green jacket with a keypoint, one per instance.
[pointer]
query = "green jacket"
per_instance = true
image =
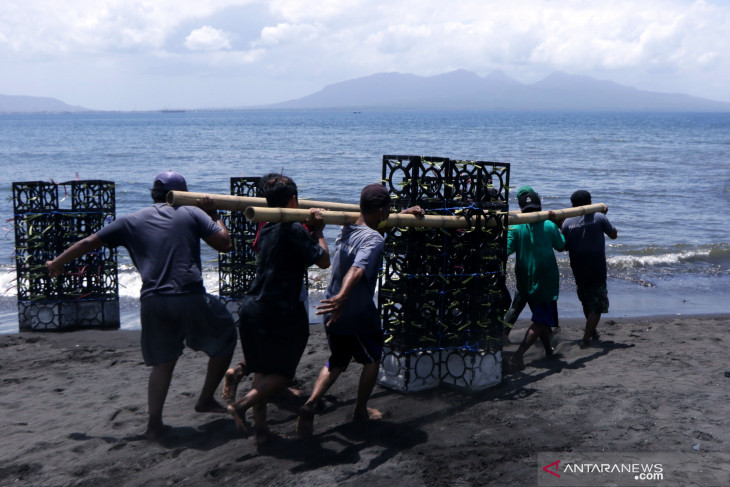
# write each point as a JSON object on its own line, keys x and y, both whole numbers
{"x": 536, "y": 269}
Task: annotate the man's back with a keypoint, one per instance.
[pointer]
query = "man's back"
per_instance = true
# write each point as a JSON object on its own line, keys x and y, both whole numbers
{"x": 164, "y": 244}
{"x": 584, "y": 237}
{"x": 358, "y": 246}
{"x": 536, "y": 267}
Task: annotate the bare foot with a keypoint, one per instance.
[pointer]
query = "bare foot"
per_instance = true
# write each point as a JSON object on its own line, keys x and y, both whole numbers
{"x": 230, "y": 382}
{"x": 517, "y": 362}
{"x": 294, "y": 392}
{"x": 154, "y": 432}
{"x": 305, "y": 421}
{"x": 263, "y": 435}
{"x": 210, "y": 406}
{"x": 370, "y": 414}
{"x": 239, "y": 416}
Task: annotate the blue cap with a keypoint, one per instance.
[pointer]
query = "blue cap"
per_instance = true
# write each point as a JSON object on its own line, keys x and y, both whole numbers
{"x": 171, "y": 181}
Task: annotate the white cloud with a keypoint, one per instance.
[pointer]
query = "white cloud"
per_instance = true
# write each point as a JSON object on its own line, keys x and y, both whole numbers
{"x": 319, "y": 10}
{"x": 675, "y": 45}
{"x": 207, "y": 38}
{"x": 284, "y": 33}
{"x": 51, "y": 26}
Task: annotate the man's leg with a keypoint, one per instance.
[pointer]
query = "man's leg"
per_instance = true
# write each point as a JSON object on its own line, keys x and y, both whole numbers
{"x": 263, "y": 388}
{"x": 157, "y": 387}
{"x": 368, "y": 377}
{"x": 327, "y": 377}
{"x": 231, "y": 380}
{"x": 217, "y": 367}
{"x": 531, "y": 336}
{"x": 545, "y": 340}
{"x": 591, "y": 325}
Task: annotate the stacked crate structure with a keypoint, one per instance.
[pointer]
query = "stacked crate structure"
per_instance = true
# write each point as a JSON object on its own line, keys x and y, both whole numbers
{"x": 440, "y": 292}
{"x": 86, "y": 295}
{"x": 237, "y": 269}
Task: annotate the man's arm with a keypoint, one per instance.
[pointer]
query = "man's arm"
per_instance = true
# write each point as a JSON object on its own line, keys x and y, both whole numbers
{"x": 80, "y": 248}
{"x": 414, "y": 210}
{"x": 336, "y": 304}
{"x": 613, "y": 233}
{"x": 221, "y": 240}
{"x": 315, "y": 223}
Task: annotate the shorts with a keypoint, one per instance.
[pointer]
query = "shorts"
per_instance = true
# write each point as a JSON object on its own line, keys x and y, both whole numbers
{"x": 594, "y": 298}
{"x": 169, "y": 323}
{"x": 364, "y": 348}
{"x": 273, "y": 339}
{"x": 545, "y": 313}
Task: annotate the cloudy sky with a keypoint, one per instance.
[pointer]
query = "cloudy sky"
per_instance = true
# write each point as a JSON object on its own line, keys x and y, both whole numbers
{"x": 152, "y": 54}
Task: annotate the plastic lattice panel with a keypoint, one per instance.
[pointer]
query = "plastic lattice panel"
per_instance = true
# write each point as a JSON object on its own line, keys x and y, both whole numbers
{"x": 62, "y": 315}
{"x": 34, "y": 197}
{"x": 43, "y": 231}
{"x": 97, "y": 196}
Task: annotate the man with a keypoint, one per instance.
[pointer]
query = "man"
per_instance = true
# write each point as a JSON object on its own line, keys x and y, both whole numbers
{"x": 351, "y": 318}
{"x": 587, "y": 249}
{"x": 274, "y": 321}
{"x": 164, "y": 244}
{"x": 536, "y": 269}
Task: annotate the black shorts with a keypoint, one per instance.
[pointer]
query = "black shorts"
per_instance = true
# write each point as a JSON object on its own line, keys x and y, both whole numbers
{"x": 200, "y": 321}
{"x": 273, "y": 340}
{"x": 364, "y": 348}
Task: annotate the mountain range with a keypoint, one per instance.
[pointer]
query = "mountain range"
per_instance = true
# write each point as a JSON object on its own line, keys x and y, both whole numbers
{"x": 465, "y": 90}
{"x": 456, "y": 90}
{"x": 35, "y": 104}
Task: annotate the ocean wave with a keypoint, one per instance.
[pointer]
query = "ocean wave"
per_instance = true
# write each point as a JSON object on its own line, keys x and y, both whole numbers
{"x": 716, "y": 255}
{"x": 130, "y": 283}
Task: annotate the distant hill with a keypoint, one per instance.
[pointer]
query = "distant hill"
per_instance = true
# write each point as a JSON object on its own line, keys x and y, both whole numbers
{"x": 464, "y": 90}
{"x": 34, "y": 104}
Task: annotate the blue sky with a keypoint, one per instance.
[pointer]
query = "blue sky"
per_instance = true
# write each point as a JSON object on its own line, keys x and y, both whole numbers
{"x": 152, "y": 54}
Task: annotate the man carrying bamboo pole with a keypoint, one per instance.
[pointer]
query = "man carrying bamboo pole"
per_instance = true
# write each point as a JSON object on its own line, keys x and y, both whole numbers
{"x": 536, "y": 268}
{"x": 164, "y": 244}
{"x": 273, "y": 319}
{"x": 587, "y": 248}
{"x": 351, "y": 319}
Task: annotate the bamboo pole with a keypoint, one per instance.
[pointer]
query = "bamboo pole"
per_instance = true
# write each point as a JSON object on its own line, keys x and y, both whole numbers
{"x": 265, "y": 214}
{"x": 539, "y": 216}
{"x": 240, "y": 203}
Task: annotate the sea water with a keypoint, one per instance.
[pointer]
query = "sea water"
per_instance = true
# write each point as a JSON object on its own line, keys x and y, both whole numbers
{"x": 664, "y": 176}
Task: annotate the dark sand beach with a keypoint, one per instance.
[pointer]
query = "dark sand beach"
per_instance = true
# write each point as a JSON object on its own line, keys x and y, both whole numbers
{"x": 74, "y": 405}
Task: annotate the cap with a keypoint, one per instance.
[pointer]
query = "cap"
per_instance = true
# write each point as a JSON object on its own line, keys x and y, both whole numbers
{"x": 580, "y": 198}
{"x": 528, "y": 199}
{"x": 373, "y": 197}
{"x": 171, "y": 181}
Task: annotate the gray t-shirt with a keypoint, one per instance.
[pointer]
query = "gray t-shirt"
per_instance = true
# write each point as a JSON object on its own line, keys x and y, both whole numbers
{"x": 358, "y": 246}
{"x": 164, "y": 244}
{"x": 587, "y": 246}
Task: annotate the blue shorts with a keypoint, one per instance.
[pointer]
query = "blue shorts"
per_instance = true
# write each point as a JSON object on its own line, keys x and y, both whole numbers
{"x": 364, "y": 348}
{"x": 200, "y": 321}
{"x": 545, "y": 313}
